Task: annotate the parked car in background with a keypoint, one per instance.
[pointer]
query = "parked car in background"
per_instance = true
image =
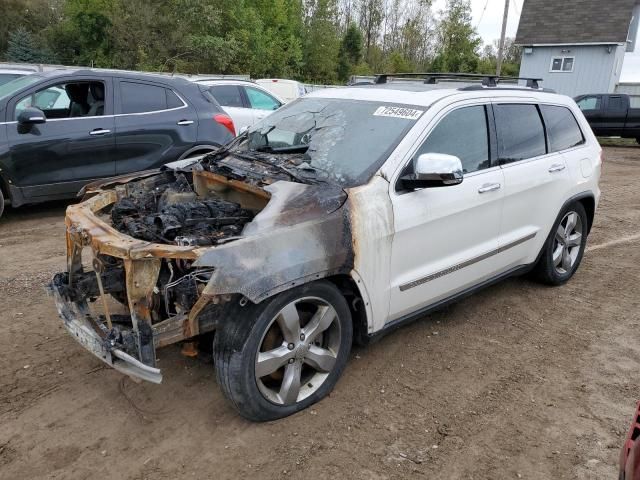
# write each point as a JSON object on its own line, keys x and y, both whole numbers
{"x": 62, "y": 129}
{"x": 244, "y": 101}
{"x": 288, "y": 90}
{"x": 8, "y": 74}
{"x": 612, "y": 115}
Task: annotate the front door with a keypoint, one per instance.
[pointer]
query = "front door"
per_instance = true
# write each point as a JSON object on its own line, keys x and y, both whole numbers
{"x": 74, "y": 146}
{"x": 446, "y": 237}
{"x": 593, "y": 108}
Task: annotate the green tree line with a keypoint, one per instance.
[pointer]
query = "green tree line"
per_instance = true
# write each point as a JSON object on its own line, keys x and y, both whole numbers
{"x": 321, "y": 41}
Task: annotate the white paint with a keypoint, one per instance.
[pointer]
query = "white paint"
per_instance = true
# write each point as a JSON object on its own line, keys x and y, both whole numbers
{"x": 436, "y": 230}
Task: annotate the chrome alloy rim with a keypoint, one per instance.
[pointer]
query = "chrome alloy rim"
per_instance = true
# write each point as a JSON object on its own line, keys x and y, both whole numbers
{"x": 298, "y": 351}
{"x": 567, "y": 243}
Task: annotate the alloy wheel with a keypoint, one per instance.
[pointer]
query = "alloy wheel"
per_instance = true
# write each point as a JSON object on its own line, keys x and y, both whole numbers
{"x": 298, "y": 351}
{"x": 567, "y": 242}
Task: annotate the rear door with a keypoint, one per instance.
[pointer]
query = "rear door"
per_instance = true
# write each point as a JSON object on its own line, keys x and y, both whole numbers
{"x": 536, "y": 181}
{"x": 234, "y": 102}
{"x": 73, "y": 147}
{"x": 592, "y": 107}
{"x": 154, "y": 125}
{"x": 633, "y": 117}
{"x": 615, "y": 114}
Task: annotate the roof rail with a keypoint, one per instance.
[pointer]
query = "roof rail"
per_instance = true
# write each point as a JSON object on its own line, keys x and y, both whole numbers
{"x": 433, "y": 77}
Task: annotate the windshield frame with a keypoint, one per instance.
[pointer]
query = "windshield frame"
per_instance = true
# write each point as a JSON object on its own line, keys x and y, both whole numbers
{"x": 367, "y": 174}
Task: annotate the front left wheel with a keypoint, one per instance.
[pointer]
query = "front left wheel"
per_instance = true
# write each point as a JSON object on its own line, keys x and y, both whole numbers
{"x": 285, "y": 354}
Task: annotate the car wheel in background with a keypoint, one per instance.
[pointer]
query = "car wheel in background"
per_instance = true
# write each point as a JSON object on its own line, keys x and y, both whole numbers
{"x": 287, "y": 353}
{"x": 1, "y": 203}
{"x": 564, "y": 248}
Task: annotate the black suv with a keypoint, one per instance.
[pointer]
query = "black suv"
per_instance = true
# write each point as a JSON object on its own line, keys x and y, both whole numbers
{"x": 59, "y": 130}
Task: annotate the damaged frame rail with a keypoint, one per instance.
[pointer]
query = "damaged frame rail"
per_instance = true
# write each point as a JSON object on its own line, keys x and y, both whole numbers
{"x": 142, "y": 262}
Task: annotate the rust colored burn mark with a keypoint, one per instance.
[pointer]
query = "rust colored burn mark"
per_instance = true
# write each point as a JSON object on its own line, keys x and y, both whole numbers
{"x": 208, "y": 179}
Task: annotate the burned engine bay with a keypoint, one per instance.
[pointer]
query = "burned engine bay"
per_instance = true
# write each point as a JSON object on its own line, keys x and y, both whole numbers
{"x": 173, "y": 213}
{"x": 170, "y": 210}
{"x": 208, "y": 204}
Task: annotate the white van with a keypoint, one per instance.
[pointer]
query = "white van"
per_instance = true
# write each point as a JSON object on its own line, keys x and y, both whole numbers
{"x": 288, "y": 90}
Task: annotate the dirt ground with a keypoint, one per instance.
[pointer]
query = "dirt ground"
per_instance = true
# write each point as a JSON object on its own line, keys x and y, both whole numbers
{"x": 518, "y": 381}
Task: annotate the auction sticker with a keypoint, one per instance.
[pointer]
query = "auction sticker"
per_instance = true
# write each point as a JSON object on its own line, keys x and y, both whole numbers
{"x": 398, "y": 112}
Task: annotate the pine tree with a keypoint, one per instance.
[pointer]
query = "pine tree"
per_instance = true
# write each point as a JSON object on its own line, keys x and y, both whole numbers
{"x": 350, "y": 52}
{"x": 459, "y": 42}
{"x": 22, "y": 47}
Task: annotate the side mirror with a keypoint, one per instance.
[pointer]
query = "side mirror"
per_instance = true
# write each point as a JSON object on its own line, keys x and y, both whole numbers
{"x": 434, "y": 170}
{"x": 31, "y": 116}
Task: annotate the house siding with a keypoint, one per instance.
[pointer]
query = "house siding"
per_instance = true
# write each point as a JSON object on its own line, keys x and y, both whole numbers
{"x": 595, "y": 70}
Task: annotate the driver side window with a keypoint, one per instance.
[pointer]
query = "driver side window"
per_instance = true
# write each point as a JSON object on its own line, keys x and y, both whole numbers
{"x": 64, "y": 100}
{"x": 463, "y": 133}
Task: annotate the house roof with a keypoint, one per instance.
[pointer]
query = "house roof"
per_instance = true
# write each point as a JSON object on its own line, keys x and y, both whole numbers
{"x": 574, "y": 21}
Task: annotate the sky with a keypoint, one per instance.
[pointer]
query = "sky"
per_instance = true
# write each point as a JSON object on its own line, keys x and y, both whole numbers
{"x": 489, "y": 23}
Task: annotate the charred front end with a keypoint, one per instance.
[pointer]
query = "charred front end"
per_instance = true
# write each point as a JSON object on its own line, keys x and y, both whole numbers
{"x": 164, "y": 257}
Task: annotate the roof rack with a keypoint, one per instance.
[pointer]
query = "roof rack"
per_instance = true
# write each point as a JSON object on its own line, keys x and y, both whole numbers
{"x": 432, "y": 78}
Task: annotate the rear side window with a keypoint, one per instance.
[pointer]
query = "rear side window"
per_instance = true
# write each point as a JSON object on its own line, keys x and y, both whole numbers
{"x": 562, "y": 128}
{"x": 520, "y": 132}
{"x": 227, "y": 95}
{"x": 616, "y": 103}
{"x": 472, "y": 148}
{"x": 141, "y": 97}
{"x": 172, "y": 100}
{"x": 261, "y": 100}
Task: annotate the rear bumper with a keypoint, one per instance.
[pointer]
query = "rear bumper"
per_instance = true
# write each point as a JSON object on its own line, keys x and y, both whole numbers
{"x": 94, "y": 337}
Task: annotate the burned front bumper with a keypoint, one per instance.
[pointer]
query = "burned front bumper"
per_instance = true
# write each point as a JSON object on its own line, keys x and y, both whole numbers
{"x": 94, "y": 336}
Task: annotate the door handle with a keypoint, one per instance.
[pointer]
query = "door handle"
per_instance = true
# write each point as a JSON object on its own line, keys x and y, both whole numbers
{"x": 489, "y": 187}
{"x": 185, "y": 122}
{"x": 99, "y": 131}
{"x": 556, "y": 168}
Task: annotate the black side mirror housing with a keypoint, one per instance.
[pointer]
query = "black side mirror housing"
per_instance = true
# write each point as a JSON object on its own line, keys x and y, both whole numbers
{"x": 31, "y": 116}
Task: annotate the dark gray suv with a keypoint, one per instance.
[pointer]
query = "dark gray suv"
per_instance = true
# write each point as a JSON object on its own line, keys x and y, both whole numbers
{"x": 60, "y": 130}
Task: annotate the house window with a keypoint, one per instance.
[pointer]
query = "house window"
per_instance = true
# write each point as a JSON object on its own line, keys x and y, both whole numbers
{"x": 562, "y": 64}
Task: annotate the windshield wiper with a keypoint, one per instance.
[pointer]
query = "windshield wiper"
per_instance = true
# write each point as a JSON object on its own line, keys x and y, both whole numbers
{"x": 290, "y": 149}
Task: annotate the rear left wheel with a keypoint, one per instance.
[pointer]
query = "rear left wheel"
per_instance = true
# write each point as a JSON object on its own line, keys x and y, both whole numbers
{"x": 279, "y": 357}
{"x": 564, "y": 248}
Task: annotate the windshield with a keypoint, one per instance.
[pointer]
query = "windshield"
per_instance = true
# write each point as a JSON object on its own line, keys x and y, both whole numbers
{"x": 343, "y": 141}
{"x": 14, "y": 85}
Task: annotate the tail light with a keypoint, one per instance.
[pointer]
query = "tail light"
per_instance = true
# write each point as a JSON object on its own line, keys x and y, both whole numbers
{"x": 226, "y": 122}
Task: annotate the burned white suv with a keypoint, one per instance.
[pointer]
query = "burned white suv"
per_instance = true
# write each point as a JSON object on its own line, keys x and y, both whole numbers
{"x": 342, "y": 215}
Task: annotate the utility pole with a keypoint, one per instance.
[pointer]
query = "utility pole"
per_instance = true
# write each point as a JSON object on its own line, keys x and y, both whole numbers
{"x": 502, "y": 36}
